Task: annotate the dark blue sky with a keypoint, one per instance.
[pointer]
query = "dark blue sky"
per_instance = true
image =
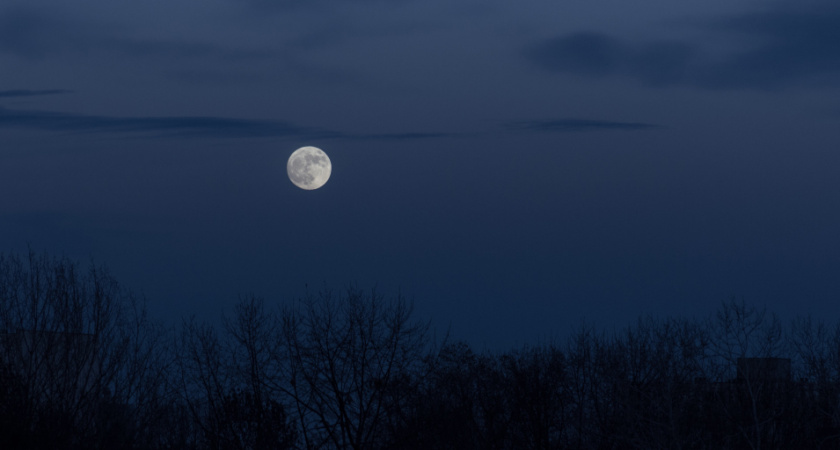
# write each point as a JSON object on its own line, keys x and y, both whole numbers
{"x": 512, "y": 167}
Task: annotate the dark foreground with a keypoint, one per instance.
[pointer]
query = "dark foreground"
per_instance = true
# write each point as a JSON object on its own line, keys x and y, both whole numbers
{"x": 82, "y": 367}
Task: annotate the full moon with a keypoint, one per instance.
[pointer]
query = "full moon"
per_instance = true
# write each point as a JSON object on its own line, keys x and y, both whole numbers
{"x": 309, "y": 168}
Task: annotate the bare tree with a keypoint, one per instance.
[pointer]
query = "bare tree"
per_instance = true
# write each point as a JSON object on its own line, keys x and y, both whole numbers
{"x": 662, "y": 371}
{"x": 535, "y": 381}
{"x": 204, "y": 382}
{"x": 588, "y": 405}
{"x": 84, "y": 354}
{"x": 443, "y": 410}
{"x": 816, "y": 347}
{"x": 756, "y": 406}
{"x": 342, "y": 355}
{"x": 229, "y": 381}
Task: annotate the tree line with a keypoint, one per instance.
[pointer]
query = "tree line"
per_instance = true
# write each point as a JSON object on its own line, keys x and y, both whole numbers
{"x": 82, "y": 366}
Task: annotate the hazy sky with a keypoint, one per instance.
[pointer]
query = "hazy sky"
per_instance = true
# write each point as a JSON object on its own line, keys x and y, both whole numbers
{"x": 512, "y": 167}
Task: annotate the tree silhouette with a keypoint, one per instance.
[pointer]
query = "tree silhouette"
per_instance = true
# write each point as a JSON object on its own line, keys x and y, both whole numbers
{"x": 83, "y": 367}
{"x": 343, "y": 354}
{"x": 227, "y": 383}
{"x": 75, "y": 345}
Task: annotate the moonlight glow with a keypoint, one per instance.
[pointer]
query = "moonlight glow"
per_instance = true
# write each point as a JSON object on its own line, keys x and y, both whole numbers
{"x": 309, "y": 168}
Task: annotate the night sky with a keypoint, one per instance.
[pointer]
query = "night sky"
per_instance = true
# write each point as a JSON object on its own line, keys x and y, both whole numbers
{"x": 514, "y": 168}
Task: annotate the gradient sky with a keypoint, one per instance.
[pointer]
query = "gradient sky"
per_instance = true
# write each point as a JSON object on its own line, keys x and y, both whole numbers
{"x": 514, "y": 168}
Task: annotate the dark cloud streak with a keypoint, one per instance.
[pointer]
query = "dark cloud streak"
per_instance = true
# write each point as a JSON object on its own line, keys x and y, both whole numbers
{"x": 572, "y": 125}
{"x": 32, "y": 93}
{"x": 403, "y": 136}
{"x": 188, "y": 126}
{"x": 158, "y": 126}
{"x": 221, "y": 127}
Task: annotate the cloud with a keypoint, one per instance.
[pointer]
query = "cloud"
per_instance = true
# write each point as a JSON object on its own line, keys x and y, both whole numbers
{"x": 158, "y": 126}
{"x": 402, "y": 136}
{"x": 788, "y": 48}
{"x": 569, "y": 125}
{"x": 221, "y": 127}
{"x": 795, "y": 47}
{"x": 590, "y": 54}
{"x": 32, "y": 34}
{"x": 32, "y": 93}
{"x": 25, "y": 33}
{"x": 598, "y": 55}
{"x": 263, "y": 6}
{"x": 186, "y": 126}
{"x": 176, "y": 49}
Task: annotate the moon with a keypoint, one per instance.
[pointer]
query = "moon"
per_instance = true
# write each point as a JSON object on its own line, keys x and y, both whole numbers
{"x": 309, "y": 168}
